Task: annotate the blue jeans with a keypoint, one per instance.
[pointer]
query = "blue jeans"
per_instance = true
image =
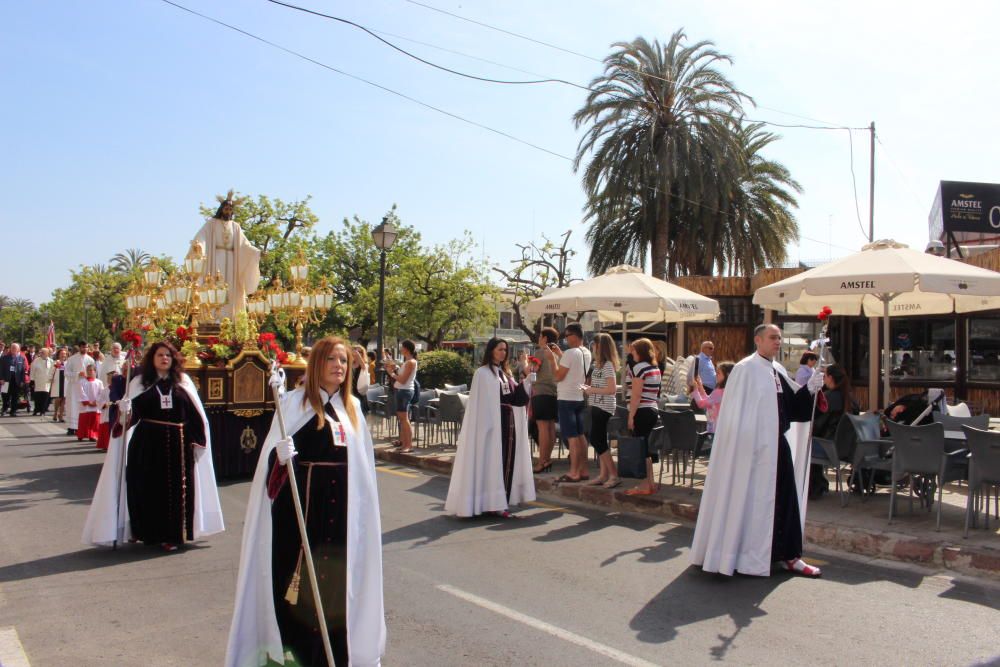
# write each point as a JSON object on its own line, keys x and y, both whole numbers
{"x": 571, "y": 418}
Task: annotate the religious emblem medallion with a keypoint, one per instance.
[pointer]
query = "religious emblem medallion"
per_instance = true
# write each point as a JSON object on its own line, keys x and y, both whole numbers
{"x": 248, "y": 440}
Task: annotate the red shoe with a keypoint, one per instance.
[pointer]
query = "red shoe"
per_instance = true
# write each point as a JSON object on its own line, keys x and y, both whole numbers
{"x": 799, "y": 566}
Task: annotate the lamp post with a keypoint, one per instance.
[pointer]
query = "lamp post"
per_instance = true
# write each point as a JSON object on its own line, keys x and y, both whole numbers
{"x": 384, "y": 236}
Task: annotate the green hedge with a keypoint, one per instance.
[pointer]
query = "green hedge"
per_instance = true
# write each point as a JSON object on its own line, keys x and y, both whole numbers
{"x": 442, "y": 367}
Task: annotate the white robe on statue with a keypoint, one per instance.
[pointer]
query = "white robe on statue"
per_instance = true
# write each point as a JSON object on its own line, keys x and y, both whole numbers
{"x": 477, "y": 474}
{"x": 736, "y": 516}
{"x": 108, "y": 522}
{"x": 254, "y": 635}
{"x": 74, "y": 369}
{"x": 228, "y": 252}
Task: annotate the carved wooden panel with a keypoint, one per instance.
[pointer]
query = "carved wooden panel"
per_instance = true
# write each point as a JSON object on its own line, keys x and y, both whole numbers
{"x": 248, "y": 384}
{"x": 215, "y": 389}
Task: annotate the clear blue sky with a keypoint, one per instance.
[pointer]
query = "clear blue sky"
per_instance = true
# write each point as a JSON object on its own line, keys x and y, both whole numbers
{"x": 119, "y": 118}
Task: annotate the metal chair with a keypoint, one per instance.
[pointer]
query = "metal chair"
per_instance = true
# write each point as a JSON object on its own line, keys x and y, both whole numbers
{"x": 867, "y": 450}
{"x": 423, "y": 415}
{"x": 451, "y": 412}
{"x": 684, "y": 439}
{"x": 920, "y": 450}
{"x": 455, "y": 388}
{"x": 835, "y": 452}
{"x": 984, "y": 470}
{"x": 953, "y": 423}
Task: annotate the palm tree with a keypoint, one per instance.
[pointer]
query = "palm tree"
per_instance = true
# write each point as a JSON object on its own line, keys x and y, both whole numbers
{"x": 657, "y": 112}
{"x": 132, "y": 258}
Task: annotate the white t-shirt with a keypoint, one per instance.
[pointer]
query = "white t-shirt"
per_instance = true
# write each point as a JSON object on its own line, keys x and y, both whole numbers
{"x": 576, "y": 359}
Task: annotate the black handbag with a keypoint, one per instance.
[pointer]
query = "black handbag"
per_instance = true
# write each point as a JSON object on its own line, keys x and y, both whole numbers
{"x": 632, "y": 455}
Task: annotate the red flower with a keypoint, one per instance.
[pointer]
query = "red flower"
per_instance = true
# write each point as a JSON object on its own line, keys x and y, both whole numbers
{"x": 535, "y": 360}
{"x": 213, "y": 340}
{"x": 282, "y": 357}
{"x": 182, "y": 333}
{"x": 265, "y": 337}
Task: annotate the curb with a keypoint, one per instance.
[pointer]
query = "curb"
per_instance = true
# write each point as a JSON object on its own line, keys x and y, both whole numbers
{"x": 971, "y": 561}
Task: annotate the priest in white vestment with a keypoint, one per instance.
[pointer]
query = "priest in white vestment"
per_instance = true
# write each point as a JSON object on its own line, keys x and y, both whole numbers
{"x": 113, "y": 364}
{"x": 230, "y": 254}
{"x": 75, "y": 370}
{"x": 752, "y": 512}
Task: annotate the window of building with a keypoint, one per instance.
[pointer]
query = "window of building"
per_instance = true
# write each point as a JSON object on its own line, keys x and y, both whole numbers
{"x": 923, "y": 349}
{"x": 735, "y": 310}
{"x": 984, "y": 349}
{"x": 506, "y": 320}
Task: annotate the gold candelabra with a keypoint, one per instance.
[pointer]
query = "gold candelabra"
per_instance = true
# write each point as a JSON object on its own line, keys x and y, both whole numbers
{"x": 297, "y": 303}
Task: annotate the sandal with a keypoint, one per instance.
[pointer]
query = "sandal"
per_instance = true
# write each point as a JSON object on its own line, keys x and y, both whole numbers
{"x": 168, "y": 547}
{"x": 598, "y": 482}
{"x": 639, "y": 492}
{"x": 543, "y": 467}
{"x": 612, "y": 483}
{"x": 799, "y": 566}
{"x": 571, "y": 480}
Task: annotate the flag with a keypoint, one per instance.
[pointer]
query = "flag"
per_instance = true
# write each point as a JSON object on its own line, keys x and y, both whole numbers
{"x": 50, "y": 336}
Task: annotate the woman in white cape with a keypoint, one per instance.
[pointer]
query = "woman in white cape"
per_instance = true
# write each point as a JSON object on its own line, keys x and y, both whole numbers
{"x": 108, "y": 521}
{"x": 492, "y": 469}
{"x": 331, "y": 446}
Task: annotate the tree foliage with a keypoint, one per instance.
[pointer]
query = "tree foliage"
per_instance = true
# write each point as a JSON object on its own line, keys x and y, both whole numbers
{"x": 671, "y": 166}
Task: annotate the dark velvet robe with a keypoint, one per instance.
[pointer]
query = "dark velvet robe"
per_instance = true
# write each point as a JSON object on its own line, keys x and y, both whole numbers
{"x": 160, "y": 470}
{"x": 515, "y": 396}
{"x": 786, "y": 543}
{"x": 321, "y": 473}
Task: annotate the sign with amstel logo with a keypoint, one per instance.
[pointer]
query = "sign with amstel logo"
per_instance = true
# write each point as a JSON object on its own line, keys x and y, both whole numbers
{"x": 966, "y": 207}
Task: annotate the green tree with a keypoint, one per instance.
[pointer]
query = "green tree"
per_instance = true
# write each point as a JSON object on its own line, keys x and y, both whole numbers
{"x": 92, "y": 304}
{"x": 130, "y": 260}
{"x": 350, "y": 261}
{"x": 656, "y": 115}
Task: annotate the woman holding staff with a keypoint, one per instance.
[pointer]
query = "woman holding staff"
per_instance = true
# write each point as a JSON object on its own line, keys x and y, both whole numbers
{"x": 331, "y": 449}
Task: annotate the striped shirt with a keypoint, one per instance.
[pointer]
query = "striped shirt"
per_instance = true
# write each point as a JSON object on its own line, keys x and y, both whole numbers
{"x": 599, "y": 380}
{"x": 650, "y": 383}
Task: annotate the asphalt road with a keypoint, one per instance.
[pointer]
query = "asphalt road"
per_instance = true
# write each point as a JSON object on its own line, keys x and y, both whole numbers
{"x": 560, "y": 586}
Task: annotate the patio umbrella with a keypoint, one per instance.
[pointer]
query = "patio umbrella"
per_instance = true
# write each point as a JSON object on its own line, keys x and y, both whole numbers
{"x": 626, "y": 294}
{"x": 886, "y": 279}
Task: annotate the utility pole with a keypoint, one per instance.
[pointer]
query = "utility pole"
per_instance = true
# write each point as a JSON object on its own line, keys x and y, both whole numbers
{"x": 871, "y": 187}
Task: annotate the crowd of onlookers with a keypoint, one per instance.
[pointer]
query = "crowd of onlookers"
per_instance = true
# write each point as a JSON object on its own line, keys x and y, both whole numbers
{"x": 33, "y": 379}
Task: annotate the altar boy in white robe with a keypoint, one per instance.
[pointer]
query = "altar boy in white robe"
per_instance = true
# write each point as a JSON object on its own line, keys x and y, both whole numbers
{"x": 752, "y": 512}
{"x": 75, "y": 370}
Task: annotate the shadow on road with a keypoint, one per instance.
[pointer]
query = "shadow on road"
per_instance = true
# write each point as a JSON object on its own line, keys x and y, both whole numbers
{"x": 84, "y": 560}
{"x": 74, "y": 484}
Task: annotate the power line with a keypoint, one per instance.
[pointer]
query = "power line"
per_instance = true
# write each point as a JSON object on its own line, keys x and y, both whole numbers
{"x": 416, "y": 57}
{"x": 376, "y": 35}
{"x": 854, "y": 184}
{"x": 902, "y": 176}
{"x": 366, "y": 81}
{"x": 828, "y": 124}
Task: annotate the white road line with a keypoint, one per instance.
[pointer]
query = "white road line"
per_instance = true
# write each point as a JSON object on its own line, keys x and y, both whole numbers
{"x": 565, "y": 635}
{"x": 11, "y": 651}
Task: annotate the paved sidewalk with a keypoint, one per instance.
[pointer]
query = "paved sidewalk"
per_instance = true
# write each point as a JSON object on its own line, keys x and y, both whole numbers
{"x": 861, "y": 528}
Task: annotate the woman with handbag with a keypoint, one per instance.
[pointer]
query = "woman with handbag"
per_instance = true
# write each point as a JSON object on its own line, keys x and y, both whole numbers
{"x": 600, "y": 393}
{"x": 643, "y": 388}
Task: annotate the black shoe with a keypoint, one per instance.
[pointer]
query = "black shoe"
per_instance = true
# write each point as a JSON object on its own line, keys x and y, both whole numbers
{"x": 71, "y": 431}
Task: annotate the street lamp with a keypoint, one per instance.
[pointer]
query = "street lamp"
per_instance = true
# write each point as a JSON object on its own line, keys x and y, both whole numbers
{"x": 384, "y": 236}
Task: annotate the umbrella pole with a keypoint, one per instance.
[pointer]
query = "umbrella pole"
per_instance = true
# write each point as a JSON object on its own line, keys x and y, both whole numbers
{"x": 624, "y": 353}
{"x": 886, "y": 351}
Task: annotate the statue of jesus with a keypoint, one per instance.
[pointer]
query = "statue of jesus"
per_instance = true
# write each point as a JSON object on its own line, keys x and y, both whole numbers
{"x": 228, "y": 252}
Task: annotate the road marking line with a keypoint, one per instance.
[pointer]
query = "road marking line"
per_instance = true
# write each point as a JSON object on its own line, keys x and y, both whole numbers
{"x": 392, "y": 471}
{"x": 535, "y": 503}
{"x": 565, "y": 635}
{"x": 11, "y": 652}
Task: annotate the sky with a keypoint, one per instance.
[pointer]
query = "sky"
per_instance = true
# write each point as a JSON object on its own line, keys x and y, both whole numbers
{"x": 120, "y": 118}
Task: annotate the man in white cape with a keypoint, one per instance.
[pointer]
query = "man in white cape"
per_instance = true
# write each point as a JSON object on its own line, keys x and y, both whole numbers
{"x": 75, "y": 370}
{"x": 254, "y": 636}
{"x": 108, "y": 522}
{"x": 113, "y": 363}
{"x": 752, "y": 511}
{"x": 477, "y": 475}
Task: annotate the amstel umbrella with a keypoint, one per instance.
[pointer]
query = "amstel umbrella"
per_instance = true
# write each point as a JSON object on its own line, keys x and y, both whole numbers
{"x": 886, "y": 279}
{"x": 626, "y": 294}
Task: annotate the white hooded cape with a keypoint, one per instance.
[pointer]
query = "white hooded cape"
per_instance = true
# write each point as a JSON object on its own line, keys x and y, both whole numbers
{"x": 254, "y": 635}
{"x": 736, "y": 516}
{"x": 477, "y": 473}
{"x": 74, "y": 365}
{"x": 110, "y": 498}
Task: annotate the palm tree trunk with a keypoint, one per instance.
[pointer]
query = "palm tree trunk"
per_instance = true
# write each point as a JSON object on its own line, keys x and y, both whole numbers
{"x": 660, "y": 244}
